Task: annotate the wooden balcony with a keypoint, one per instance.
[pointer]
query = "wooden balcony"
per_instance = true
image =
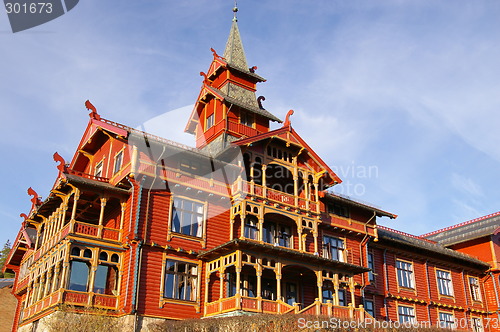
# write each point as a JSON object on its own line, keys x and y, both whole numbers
{"x": 250, "y": 304}
{"x": 259, "y": 305}
{"x": 245, "y": 188}
{"x": 71, "y": 298}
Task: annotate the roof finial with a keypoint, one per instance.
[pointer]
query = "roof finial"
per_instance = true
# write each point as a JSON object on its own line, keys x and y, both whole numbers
{"x": 235, "y": 10}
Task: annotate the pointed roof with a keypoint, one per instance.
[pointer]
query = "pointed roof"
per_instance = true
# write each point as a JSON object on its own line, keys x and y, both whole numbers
{"x": 288, "y": 134}
{"x": 234, "y": 54}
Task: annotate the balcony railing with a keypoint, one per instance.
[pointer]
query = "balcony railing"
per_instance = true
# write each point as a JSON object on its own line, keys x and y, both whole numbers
{"x": 244, "y": 303}
{"x": 72, "y": 298}
{"x": 249, "y": 188}
{"x": 252, "y": 304}
{"x": 76, "y": 228}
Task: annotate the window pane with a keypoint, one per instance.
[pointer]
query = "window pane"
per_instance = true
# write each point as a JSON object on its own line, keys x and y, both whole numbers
{"x": 180, "y": 280}
{"x": 100, "y": 279}
{"x": 187, "y": 217}
{"x": 169, "y": 286}
{"x": 79, "y": 276}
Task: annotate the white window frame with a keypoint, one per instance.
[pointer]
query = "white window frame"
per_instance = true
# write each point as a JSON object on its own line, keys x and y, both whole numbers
{"x": 475, "y": 289}
{"x": 333, "y": 243}
{"x": 406, "y": 314}
{"x": 181, "y": 212}
{"x": 446, "y": 320}
{"x": 405, "y": 274}
{"x": 444, "y": 282}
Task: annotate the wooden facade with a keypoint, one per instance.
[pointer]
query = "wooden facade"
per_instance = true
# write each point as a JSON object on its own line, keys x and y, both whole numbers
{"x": 243, "y": 223}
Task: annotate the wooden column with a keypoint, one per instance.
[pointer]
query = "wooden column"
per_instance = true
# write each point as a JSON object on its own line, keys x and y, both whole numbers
{"x": 319, "y": 277}
{"x": 278, "y": 280}
{"x": 315, "y": 235}
{"x": 122, "y": 218}
{"x": 101, "y": 216}
{"x": 316, "y": 193}
{"x": 207, "y": 283}
{"x": 73, "y": 212}
{"x": 352, "y": 290}
{"x": 259, "y": 286}
{"x": 336, "y": 288}
{"x": 238, "y": 268}
{"x": 221, "y": 288}
{"x": 296, "y": 188}
{"x": 57, "y": 274}
{"x": 264, "y": 181}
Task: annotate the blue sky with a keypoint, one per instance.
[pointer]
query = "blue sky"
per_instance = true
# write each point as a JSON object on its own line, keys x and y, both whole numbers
{"x": 402, "y": 98}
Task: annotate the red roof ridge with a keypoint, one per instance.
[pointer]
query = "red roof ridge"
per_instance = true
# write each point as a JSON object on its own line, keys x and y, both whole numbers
{"x": 405, "y": 234}
{"x": 468, "y": 222}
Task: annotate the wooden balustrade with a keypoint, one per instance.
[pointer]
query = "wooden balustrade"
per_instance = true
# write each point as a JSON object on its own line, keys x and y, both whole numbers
{"x": 254, "y": 304}
{"x": 251, "y": 188}
{"x": 73, "y": 298}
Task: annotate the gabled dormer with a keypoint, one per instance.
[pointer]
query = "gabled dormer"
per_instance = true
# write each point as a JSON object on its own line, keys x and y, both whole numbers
{"x": 227, "y": 107}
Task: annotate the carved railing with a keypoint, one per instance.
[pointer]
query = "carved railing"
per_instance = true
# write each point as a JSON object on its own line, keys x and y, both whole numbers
{"x": 249, "y": 188}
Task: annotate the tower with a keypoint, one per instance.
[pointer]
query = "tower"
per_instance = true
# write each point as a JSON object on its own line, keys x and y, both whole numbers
{"x": 227, "y": 107}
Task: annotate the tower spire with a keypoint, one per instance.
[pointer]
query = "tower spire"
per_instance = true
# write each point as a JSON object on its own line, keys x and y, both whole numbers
{"x": 235, "y": 10}
{"x": 234, "y": 52}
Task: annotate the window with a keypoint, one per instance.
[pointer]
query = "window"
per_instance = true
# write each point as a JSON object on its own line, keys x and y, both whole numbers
{"x": 180, "y": 280}
{"x": 79, "y": 276}
{"x": 277, "y": 234}
{"x": 246, "y": 119}
{"x": 98, "y": 170}
{"x": 251, "y": 228}
{"x": 405, "y": 274}
{"x": 477, "y": 324}
{"x": 446, "y": 320}
{"x": 406, "y": 314}
{"x": 338, "y": 209}
{"x": 475, "y": 289}
{"x": 187, "y": 217}
{"x": 371, "y": 275}
{"x": 210, "y": 121}
{"x": 444, "y": 283}
{"x": 342, "y": 301}
{"x": 105, "y": 280}
{"x": 328, "y": 291}
{"x": 333, "y": 248}
{"x": 369, "y": 307}
{"x": 118, "y": 162}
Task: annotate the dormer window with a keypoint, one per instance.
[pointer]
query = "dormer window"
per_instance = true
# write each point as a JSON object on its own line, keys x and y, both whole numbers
{"x": 246, "y": 119}
{"x": 210, "y": 121}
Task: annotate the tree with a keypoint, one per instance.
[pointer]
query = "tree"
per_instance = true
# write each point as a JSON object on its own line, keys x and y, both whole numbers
{"x": 3, "y": 256}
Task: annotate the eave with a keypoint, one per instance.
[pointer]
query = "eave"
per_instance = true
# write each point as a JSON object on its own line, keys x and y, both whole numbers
{"x": 275, "y": 251}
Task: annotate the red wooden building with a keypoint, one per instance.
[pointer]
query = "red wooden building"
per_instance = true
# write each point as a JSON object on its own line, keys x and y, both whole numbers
{"x": 150, "y": 229}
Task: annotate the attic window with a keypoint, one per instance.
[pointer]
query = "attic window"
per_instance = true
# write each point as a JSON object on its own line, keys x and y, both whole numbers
{"x": 246, "y": 119}
{"x": 338, "y": 209}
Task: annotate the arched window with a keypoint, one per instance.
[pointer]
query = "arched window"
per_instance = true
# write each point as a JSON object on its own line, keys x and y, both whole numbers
{"x": 251, "y": 227}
